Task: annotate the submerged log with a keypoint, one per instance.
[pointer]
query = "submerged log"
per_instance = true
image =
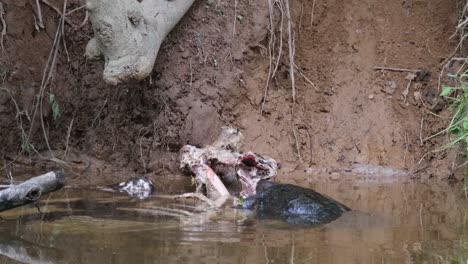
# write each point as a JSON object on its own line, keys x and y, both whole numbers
{"x": 31, "y": 190}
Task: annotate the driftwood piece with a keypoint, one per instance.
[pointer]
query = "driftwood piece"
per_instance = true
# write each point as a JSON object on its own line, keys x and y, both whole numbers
{"x": 31, "y": 190}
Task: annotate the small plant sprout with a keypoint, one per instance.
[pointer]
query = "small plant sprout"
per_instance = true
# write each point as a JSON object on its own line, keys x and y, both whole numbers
{"x": 54, "y": 106}
{"x": 458, "y": 127}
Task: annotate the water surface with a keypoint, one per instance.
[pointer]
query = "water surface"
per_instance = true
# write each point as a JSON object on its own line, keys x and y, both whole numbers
{"x": 393, "y": 221}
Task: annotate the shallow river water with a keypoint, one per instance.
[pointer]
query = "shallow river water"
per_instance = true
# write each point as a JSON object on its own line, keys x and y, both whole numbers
{"x": 393, "y": 221}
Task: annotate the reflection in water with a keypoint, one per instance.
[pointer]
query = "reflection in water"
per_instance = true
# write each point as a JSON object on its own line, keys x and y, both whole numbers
{"x": 400, "y": 222}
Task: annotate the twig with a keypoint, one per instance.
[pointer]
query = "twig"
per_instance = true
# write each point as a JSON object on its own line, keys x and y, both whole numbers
{"x": 447, "y": 65}
{"x": 141, "y": 149}
{"x": 68, "y": 136}
{"x": 410, "y": 78}
{"x": 421, "y": 142}
{"x": 58, "y": 12}
{"x": 406, "y": 148}
{"x": 235, "y": 20}
{"x": 74, "y": 10}
{"x": 305, "y": 78}
{"x": 420, "y": 215}
{"x": 377, "y": 68}
{"x": 291, "y": 51}
{"x": 297, "y": 143}
{"x": 85, "y": 20}
{"x": 191, "y": 73}
{"x": 63, "y": 33}
{"x": 100, "y": 111}
{"x": 310, "y": 146}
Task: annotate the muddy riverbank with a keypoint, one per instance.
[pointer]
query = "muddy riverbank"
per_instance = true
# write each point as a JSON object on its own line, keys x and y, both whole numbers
{"x": 210, "y": 74}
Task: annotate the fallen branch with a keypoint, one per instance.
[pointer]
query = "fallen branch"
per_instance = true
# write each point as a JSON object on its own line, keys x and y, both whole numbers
{"x": 31, "y": 190}
{"x": 377, "y": 68}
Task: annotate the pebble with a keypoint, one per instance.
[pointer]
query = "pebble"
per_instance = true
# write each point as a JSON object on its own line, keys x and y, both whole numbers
{"x": 335, "y": 176}
{"x": 371, "y": 96}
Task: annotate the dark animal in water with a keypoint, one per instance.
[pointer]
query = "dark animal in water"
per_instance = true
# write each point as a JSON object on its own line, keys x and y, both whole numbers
{"x": 293, "y": 204}
{"x": 139, "y": 187}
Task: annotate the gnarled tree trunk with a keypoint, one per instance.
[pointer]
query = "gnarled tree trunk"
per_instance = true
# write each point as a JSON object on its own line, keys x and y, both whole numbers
{"x": 128, "y": 34}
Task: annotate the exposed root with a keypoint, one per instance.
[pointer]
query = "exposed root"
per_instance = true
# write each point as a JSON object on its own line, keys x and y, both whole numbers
{"x": 447, "y": 64}
{"x": 57, "y": 10}
{"x": 46, "y": 78}
{"x": 235, "y": 20}
{"x": 280, "y": 49}
{"x": 67, "y": 141}
{"x": 270, "y": 43}
{"x": 298, "y": 149}
{"x": 291, "y": 50}
{"x": 74, "y": 10}
{"x": 312, "y": 13}
{"x": 39, "y": 20}
{"x": 4, "y": 28}
{"x": 272, "y": 69}
{"x": 305, "y": 78}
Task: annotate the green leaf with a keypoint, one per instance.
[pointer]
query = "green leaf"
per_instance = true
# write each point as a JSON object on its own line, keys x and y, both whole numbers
{"x": 446, "y": 90}
{"x": 55, "y": 111}
{"x": 54, "y": 106}
{"x": 51, "y": 98}
{"x": 465, "y": 123}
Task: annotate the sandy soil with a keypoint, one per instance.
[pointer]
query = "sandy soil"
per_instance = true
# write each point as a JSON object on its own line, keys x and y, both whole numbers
{"x": 212, "y": 72}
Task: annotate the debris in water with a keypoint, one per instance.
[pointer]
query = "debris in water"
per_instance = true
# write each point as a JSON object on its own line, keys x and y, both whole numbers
{"x": 138, "y": 187}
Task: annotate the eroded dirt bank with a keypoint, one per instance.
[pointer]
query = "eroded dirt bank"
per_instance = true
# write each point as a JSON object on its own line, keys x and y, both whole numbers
{"x": 212, "y": 71}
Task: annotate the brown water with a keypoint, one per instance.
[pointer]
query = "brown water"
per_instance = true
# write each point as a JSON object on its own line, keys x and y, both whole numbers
{"x": 393, "y": 221}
